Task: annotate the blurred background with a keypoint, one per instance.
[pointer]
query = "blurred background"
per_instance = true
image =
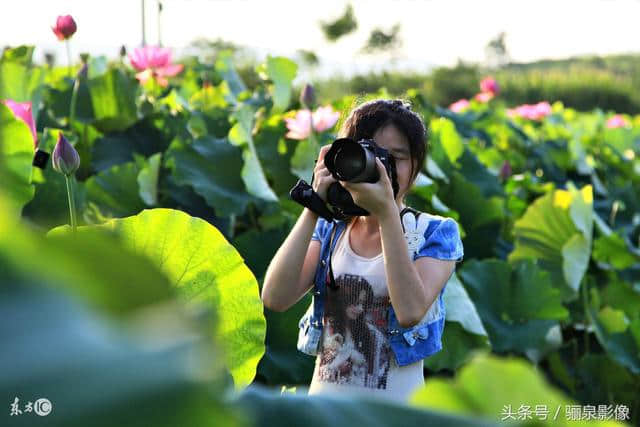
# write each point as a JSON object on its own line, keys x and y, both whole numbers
{"x": 587, "y": 50}
{"x": 147, "y": 153}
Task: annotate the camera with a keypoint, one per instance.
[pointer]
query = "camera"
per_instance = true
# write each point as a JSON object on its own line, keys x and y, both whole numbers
{"x": 351, "y": 161}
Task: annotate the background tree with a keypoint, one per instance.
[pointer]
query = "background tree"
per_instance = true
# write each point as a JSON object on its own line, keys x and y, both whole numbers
{"x": 342, "y": 26}
{"x": 496, "y": 52}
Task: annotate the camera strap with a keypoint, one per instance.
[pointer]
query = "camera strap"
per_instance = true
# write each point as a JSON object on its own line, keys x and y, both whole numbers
{"x": 331, "y": 280}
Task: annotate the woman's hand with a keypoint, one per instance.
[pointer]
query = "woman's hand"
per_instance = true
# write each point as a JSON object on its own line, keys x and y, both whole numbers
{"x": 322, "y": 178}
{"x": 377, "y": 197}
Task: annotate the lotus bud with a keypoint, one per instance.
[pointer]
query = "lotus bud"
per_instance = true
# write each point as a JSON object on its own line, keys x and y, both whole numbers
{"x": 65, "y": 27}
{"x": 84, "y": 71}
{"x": 123, "y": 51}
{"x": 65, "y": 158}
{"x": 308, "y": 96}
{"x": 505, "y": 170}
{"x": 50, "y": 59}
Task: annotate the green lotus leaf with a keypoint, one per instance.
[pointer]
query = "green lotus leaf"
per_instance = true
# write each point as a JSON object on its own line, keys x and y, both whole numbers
{"x": 495, "y": 388}
{"x": 518, "y": 305}
{"x": 148, "y": 180}
{"x": 113, "y": 100}
{"x": 281, "y": 71}
{"x": 211, "y": 167}
{"x": 460, "y": 308}
{"x": 206, "y": 271}
{"x": 556, "y": 230}
{"x": 612, "y": 249}
{"x": 115, "y": 191}
{"x": 16, "y": 155}
{"x": 458, "y": 347}
{"x": 624, "y": 347}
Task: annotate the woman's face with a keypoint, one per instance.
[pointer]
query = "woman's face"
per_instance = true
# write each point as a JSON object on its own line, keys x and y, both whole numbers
{"x": 390, "y": 138}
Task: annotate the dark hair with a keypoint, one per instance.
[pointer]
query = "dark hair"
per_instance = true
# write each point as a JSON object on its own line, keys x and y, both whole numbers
{"x": 368, "y": 117}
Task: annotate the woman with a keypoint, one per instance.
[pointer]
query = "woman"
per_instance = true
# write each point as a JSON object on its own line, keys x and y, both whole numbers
{"x": 370, "y": 262}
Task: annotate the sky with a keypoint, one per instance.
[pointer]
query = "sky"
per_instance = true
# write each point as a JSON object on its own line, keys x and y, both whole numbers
{"x": 434, "y": 32}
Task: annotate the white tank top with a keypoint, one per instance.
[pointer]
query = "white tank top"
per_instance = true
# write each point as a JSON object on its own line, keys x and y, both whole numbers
{"x": 354, "y": 355}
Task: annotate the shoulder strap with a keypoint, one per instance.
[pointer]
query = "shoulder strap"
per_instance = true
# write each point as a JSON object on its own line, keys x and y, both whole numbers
{"x": 332, "y": 283}
{"x": 406, "y": 210}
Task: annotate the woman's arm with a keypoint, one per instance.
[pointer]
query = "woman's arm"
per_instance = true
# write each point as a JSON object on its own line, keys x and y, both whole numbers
{"x": 413, "y": 287}
{"x": 290, "y": 273}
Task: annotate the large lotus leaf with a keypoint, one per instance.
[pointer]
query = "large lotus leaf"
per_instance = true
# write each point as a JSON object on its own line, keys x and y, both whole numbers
{"x": 224, "y": 66}
{"x": 96, "y": 373}
{"x": 556, "y": 230}
{"x": 83, "y": 265}
{"x": 477, "y": 173}
{"x": 499, "y": 389}
{"x": 458, "y": 347}
{"x": 185, "y": 199}
{"x": 19, "y": 80}
{"x": 611, "y": 249}
{"x": 275, "y": 154}
{"x": 146, "y": 137}
{"x": 620, "y": 294}
{"x": 211, "y": 167}
{"x": 206, "y": 270}
{"x": 267, "y": 407}
{"x": 460, "y": 308}
{"x": 623, "y": 346}
{"x": 304, "y": 158}
{"x": 445, "y": 141}
{"x": 254, "y": 178}
{"x": 113, "y": 100}
{"x": 148, "y": 180}
{"x": 604, "y": 381}
{"x": 481, "y": 216}
{"x": 281, "y": 71}
{"x": 16, "y": 155}
{"x": 115, "y": 191}
{"x": 252, "y": 172}
{"x": 282, "y": 362}
{"x": 518, "y": 305}
{"x": 621, "y": 139}
{"x": 466, "y": 197}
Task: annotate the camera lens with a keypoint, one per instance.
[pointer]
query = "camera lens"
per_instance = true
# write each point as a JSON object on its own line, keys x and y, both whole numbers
{"x": 350, "y": 161}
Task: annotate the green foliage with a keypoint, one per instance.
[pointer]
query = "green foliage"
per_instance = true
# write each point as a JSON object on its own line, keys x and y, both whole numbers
{"x": 548, "y": 212}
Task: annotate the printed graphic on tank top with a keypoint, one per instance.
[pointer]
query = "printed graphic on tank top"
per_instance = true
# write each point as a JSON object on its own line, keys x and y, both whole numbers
{"x": 354, "y": 352}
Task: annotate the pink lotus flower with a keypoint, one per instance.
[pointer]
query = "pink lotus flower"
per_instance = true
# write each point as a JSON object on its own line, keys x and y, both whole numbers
{"x": 490, "y": 85}
{"x": 483, "y": 97}
{"x": 459, "y": 105}
{"x": 22, "y": 111}
{"x": 325, "y": 118}
{"x": 154, "y": 62}
{"x": 617, "y": 121}
{"x": 531, "y": 111}
{"x": 65, "y": 27}
{"x": 300, "y": 126}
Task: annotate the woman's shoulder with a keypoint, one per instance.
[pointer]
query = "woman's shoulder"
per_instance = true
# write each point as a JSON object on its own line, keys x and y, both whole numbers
{"x": 426, "y": 215}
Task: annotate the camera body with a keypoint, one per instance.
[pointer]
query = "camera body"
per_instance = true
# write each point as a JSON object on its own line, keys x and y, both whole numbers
{"x": 355, "y": 161}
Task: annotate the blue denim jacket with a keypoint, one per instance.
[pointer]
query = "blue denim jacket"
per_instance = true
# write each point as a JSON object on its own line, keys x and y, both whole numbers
{"x": 441, "y": 240}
